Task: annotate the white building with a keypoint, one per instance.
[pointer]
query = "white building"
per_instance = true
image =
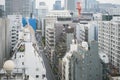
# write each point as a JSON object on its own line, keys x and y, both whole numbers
{"x": 14, "y": 24}
{"x": 108, "y": 38}
{"x": 42, "y": 11}
{"x": 50, "y": 21}
{"x": 28, "y": 62}
{"x": 82, "y": 62}
{"x": 87, "y": 31}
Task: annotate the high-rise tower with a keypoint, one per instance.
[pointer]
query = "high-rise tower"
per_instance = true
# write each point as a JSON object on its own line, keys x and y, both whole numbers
{"x": 23, "y": 7}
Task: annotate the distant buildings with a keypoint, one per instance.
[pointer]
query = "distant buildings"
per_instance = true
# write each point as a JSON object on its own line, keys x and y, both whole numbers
{"x": 82, "y": 62}
{"x": 57, "y": 5}
{"x": 86, "y": 5}
{"x": 42, "y": 11}
{"x": 110, "y": 9}
{"x": 70, "y": 5}
{"x": 22, "y": 7}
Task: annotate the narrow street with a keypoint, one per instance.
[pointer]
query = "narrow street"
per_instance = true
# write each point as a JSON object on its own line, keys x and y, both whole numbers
{"x": 49, "y": 72}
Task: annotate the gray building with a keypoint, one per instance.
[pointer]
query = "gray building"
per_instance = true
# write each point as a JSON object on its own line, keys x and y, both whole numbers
{"x": 82, "y": 62}
{"x": 57, "y": 5}
{"x": 2, "y": 10}
{"x": 23, "y": 7}
{"x": 70, "y": 5}
{"x": 2, "y": 41}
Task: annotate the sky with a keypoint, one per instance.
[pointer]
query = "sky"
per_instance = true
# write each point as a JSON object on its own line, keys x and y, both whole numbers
{"x": 50, "y": 2}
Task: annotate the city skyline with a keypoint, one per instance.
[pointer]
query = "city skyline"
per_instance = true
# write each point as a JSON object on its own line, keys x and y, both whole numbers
{"x": 51, "y": 2}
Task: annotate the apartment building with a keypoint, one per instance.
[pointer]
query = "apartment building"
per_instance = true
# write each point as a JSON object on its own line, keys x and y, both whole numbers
{"x": 14, "y": 24}
{"x": 82, "y": 62}
{"x": 109, "y": 40}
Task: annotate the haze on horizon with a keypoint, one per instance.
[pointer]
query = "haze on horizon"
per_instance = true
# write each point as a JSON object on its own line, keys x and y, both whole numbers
{"x": 51, "y": 2}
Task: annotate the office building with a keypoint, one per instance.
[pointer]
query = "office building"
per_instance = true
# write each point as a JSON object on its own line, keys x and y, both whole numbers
{"x": 70, "y": 5}
{"x": 2, "y": 10}
{"x": 57, "y": 5}
{"x": 14, "y": 24}
{"x": 87, "y": 31}
{"x": 2, "y": 41}
{"x": 42, "y": 11}
{"x": 51, "y": 17}
{"x": 82, "y": 62}
{"x": 108, "y": 39}
{"x": 21, "y": 7}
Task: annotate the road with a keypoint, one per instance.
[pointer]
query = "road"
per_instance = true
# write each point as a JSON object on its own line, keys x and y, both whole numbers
{"x": 49, "y": 72}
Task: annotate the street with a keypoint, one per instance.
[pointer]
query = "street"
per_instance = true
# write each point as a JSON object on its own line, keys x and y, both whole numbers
{"x": 49, "y": 72}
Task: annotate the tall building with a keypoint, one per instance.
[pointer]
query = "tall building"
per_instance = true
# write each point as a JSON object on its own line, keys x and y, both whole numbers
{"x": 82, "y": 62}
{"x": 50, "y": 21}
{"x": 88, "y": 5}
{"x": 42, "y": 11}
{"x": 87, "y": 31}
{"x": 2, "y": 10}
{"x": 70, "y": 5}
{"x": 57, "y": 5}
{"x": 2, "y": 41}
{"x": 109, "y": 40}
{"x": 23, "y": 7}
{"x": 14, "y": 24}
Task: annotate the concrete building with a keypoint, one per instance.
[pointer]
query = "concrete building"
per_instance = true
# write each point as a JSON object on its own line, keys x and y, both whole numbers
{"x": 86, "y": 5}
{"x": 2, "y": 41}
{"x": 53, "y": 33}
{"x": 14, "y": 24}
{"x": 21, "y": 7}
{"x": 69, "y": 5}
{"x": 42, "y": 11}
{"x": 108, "y": 39}
{"x": 82, "y": 62}
{"x": 52, "y": 17}
{"x": 87, "y": 31}
{"x": 57, "y": 5}
{"x": 110, "y": 9}
{"x": 2, "y": 10}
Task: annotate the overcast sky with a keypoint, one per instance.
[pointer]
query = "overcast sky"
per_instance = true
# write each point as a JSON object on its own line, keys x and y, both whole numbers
{"x": 50, "y": 2}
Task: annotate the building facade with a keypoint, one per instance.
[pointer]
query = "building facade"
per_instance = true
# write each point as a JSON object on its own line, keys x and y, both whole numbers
{"x": 22, "y": 7}
{"x": 2, "y": 41}
{"x": 82, "y": 62}
{"x": 69, "y": 5}
{"x": 108, "y": 39}
{"x": 87, "y": 32}
{"x": 57, "y": 5}
{"x": 14, "y": 24}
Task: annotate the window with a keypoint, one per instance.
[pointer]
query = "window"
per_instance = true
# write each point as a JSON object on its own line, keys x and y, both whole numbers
{"x": 22, "y": 63}
{"x": 37, "y": 76}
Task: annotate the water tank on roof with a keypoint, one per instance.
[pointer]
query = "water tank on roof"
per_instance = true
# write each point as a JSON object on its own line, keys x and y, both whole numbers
{"x": 85, "y": 45}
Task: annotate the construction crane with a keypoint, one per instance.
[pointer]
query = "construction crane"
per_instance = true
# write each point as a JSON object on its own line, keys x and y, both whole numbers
{"x": 78, "y": 8}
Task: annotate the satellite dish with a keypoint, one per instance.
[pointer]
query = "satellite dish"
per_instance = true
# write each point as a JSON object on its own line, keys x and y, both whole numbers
{"x": 9, "y": 66}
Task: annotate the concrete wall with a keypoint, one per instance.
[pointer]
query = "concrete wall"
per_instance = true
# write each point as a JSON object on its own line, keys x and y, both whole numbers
{"x": 2, "y": 41}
